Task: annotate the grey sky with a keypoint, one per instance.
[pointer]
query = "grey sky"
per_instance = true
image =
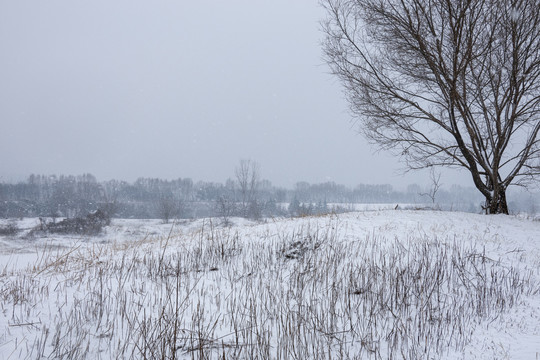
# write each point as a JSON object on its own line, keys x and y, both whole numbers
{"x": 130, "y": 88}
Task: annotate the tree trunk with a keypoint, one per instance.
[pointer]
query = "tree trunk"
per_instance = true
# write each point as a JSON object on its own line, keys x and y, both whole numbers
{"x": 497, "y": 204}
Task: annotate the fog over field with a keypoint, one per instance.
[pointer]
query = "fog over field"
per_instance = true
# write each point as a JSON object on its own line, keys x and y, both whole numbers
{"x": 171, "y": 89}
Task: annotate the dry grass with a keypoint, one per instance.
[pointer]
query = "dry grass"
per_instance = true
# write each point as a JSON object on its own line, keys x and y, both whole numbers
{"x": 298, "y": 293}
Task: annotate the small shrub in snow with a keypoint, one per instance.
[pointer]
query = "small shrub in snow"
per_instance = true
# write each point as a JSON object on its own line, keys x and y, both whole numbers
{"x": 10, "y": 229}
{"x": 91, "y": 224}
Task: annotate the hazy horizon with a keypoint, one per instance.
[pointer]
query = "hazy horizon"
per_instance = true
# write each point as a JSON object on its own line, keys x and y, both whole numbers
{"x": 129, "y": 89}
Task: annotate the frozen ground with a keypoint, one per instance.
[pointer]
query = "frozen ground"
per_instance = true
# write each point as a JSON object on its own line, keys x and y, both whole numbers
{"x": 365, "y": 285}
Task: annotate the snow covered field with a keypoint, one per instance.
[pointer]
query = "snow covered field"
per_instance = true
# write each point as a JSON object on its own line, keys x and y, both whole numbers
{"x": 365, "y": 285}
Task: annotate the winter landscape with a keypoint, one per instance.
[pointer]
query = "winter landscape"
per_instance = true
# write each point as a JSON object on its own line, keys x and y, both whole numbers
{"x": 377, "y": 284}
{"x": 238, "y": 214}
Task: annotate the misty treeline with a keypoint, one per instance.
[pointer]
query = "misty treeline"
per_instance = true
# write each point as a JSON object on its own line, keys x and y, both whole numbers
{"x": 76, "y": 196}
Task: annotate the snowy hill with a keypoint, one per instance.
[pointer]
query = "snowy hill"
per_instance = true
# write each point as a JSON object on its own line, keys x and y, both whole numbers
{"x": 364, "y": 285}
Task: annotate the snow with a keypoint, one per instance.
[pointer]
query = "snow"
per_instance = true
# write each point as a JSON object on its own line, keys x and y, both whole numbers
{"x": 278, "y": 288}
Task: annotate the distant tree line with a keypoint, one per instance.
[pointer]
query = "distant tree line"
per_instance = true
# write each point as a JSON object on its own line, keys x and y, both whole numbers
{"x": 247, "y": 196}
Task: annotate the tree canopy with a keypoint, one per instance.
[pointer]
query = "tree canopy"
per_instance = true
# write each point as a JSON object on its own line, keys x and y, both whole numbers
{"x": 444, "y": 83}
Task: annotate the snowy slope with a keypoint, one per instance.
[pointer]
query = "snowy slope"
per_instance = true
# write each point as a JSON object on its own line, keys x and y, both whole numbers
{"x": 366, "y": 285}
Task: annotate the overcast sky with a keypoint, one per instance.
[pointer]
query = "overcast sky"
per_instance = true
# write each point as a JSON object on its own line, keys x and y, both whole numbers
{"x": 136, "y": 88}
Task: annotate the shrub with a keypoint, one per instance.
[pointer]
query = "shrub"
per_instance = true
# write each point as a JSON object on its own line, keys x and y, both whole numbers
{"x": 9, "y": 229}
{"x": 91, "y": 224}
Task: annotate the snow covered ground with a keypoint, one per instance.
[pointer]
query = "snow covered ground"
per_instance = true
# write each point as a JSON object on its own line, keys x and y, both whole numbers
{"x": 364, "y": 285}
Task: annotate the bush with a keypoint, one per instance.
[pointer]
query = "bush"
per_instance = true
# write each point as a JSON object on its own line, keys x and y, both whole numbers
{"x": 9, "y": 230}
{"x": 91, "y": 224}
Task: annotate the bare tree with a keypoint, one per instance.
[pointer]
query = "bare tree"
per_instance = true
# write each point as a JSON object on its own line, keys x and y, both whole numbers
{"x": 247, "y": 176}
{"x": 167, "y": 207}
{"x": 435, "y": 186}
{"x": 445, "y": 83}
{"x": 109, "y": 197}
{"x": 225, "y": 208}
